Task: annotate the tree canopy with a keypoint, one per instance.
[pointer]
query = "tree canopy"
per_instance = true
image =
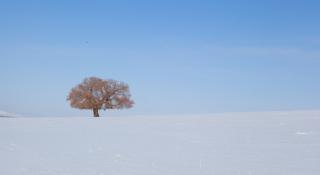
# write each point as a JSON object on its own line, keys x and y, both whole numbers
{"x": 95, "y": 94}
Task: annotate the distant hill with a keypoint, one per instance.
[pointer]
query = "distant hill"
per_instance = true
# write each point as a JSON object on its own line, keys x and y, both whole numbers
{"x": 8, "y": 114}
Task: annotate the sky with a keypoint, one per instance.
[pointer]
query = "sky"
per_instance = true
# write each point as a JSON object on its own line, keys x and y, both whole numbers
{"x": 178, "y": 57}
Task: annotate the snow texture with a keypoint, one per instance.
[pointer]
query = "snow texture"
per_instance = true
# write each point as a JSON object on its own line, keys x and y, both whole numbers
{"x": 277, "y": 143}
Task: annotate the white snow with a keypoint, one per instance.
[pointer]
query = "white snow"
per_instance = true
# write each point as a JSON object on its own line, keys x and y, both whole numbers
{"x": 269, "y": 143}
{"x": 303, "y": 133}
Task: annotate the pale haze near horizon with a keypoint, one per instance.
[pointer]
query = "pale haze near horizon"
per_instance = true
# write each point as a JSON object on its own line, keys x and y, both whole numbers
{"x": 177, "y": 57}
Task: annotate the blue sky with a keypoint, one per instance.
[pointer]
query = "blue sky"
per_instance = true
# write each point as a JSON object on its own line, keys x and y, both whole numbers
{"x": 179, "y": 57}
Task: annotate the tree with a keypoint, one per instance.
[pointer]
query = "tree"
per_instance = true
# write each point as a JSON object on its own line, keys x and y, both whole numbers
{"x": 96, "y": 94}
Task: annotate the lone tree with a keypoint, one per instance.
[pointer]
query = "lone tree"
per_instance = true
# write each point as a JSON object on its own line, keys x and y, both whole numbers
{"x": 95, "y": 94}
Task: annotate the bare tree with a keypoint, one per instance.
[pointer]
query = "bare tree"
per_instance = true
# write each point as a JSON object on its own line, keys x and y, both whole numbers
{"x": 95, "y": 94}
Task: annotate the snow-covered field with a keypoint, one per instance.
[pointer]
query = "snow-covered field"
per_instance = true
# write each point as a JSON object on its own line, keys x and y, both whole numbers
{"x": 271, "y": 143}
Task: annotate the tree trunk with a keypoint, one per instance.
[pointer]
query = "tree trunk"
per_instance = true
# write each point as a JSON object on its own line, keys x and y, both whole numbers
{"x": 96, "y": 112}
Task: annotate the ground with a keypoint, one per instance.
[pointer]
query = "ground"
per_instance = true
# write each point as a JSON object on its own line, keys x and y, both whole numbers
{"x": 277, "y": 143}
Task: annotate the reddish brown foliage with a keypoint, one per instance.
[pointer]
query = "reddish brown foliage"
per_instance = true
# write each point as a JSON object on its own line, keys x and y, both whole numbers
{"x": 95, "y": 93}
